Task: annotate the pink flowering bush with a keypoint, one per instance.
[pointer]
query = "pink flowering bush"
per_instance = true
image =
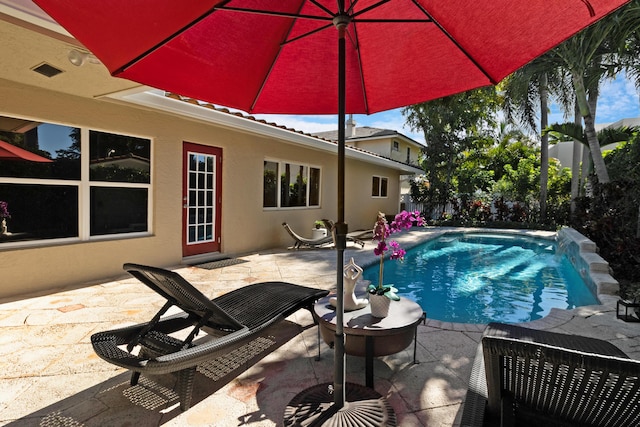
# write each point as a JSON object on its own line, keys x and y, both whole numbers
{"x": 4, "y": 211}
{"x": 381, "y": 232}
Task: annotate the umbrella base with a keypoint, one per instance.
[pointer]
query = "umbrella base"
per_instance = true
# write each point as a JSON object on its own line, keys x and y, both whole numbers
{"x": 363, "y": 407}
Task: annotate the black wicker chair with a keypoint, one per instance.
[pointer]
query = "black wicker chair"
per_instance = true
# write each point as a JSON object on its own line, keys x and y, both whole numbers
{"x": 523, "y": 377}
{"x": 231, "y": 320}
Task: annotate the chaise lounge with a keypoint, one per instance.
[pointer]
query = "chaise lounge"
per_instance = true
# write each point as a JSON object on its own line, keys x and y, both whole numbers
{"x": 299, "y": 241}
{"x": 524, "y": 377}
{"x": 230, "y": 321}
{"x": 354, "y": 237}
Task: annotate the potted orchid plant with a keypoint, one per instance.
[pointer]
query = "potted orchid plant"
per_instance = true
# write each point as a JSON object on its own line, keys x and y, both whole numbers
{"x": 382, "y": 294}
{"x": 4, "y": 214}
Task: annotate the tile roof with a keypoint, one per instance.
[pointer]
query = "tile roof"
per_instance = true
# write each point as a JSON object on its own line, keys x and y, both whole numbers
{"x": 361, "y": 132}
{"x": 319, "y": 136}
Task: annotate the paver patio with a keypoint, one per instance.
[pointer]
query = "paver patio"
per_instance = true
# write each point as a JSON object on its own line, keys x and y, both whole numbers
{"x": 50, "y": 376}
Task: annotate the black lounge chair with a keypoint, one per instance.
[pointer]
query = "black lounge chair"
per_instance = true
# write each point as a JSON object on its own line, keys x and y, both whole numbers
{"x": 524, "y": 376}
{"x": 230, "y": 320}
{"x": 300, "y": 241}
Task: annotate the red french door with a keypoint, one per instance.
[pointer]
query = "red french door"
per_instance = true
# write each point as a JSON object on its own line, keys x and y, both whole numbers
{"x": 202, "y": 182}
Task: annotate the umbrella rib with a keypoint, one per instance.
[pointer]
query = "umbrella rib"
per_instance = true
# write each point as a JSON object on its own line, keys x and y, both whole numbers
{"x": 275, "y": 59}
{"x": 391, "y": 20}
{"x": 354, "y": 40}
{"x": 455, "y": 42}
{"x": 274, "y": 13}
{"x": 166, "y": 40}
{"x": 367, "y": 9}
{"x": 320, "y": 6}
{"x": 155, "y": 47}
{"x": 306, "y": 34}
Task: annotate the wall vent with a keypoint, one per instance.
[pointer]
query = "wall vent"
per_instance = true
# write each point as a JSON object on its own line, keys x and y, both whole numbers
{"x": 47, "y": 70}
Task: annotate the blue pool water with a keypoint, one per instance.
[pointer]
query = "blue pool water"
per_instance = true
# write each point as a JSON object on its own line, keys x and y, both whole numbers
{"x": 480, "y": 278}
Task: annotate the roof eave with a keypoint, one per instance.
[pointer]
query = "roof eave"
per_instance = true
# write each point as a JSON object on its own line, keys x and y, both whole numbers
{"x": 153, "y": 99}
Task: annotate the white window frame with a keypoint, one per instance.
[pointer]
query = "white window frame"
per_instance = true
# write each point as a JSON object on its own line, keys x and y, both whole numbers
{"x": 380, "y": 180}
{"x": 84, "y": 185}
{"x": 281, "y": 165}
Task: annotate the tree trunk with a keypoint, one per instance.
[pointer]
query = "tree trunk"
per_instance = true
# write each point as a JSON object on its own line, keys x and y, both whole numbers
{"x": 590, "y": 130}
{"x": 544, "y": 147}
{"x": 575, "y": 164}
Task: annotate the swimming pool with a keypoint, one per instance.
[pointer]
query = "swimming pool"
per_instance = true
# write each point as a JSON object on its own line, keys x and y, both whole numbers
{"x": 480, "y": 278}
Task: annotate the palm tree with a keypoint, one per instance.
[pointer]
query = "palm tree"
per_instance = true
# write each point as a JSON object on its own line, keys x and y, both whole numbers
{"x": 591, "y": 55}
{"x": 527, "y": 92}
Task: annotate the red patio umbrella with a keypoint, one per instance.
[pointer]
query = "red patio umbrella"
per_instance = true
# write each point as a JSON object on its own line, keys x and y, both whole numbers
{"x": 12, "y": 152}
{"x": 280, "y": 56}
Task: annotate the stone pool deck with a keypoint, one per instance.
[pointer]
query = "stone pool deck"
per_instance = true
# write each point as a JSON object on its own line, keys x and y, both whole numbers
{"x": 50, "y": 376}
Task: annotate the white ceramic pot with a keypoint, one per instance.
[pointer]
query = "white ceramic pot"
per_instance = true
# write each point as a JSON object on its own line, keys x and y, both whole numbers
{"x": 379, "y": 305}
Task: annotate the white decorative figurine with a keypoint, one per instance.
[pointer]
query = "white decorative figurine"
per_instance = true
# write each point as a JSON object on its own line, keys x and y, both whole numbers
{"x": 351, "y": 273}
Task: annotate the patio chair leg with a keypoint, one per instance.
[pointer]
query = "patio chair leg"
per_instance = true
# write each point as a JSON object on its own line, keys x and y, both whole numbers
{"x": 135, "y": 376}
{"x": 318, "y": 332}
{"x": 185, "y": 387}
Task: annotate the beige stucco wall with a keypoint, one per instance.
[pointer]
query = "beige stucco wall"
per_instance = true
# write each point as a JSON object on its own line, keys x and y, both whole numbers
{"x": 384, "y": 147}
{"x": 246, "y": 226}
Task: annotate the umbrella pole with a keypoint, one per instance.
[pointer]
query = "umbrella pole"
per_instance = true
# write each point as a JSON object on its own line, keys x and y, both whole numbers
{"x": 365, "y": 406}
{"x": 341, "y": 228}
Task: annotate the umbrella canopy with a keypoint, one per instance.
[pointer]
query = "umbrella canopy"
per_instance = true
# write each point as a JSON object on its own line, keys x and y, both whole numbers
{"x": 280, "y": 56}
{"x": 283, "y": 57}
{"x": 11, "y": 152}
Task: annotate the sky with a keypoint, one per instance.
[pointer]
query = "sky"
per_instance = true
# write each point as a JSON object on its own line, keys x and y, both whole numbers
{"x": 618, "y": 99}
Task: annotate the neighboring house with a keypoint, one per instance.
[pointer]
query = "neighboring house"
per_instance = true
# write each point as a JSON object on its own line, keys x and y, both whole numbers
{"x": 563, "y": 151}
{"x": 147, "y": 177}
{"x": 384, "y": 142}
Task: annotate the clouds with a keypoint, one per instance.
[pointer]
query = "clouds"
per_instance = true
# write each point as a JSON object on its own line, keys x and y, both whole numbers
{"x": 308, "y": 124}
{"x": 618, "y": 99}
{"x": 391, "y": 119}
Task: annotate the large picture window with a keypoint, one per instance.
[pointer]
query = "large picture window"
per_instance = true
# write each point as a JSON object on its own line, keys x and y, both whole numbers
{"x": 63, "y": 182}
{"x": 290, "y": 185}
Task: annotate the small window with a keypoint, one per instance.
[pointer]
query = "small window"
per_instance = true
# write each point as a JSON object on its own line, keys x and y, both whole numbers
{"x": 379, "y": 186}
{"x": 408, "y": 155}
{"x": 396, "y": 146}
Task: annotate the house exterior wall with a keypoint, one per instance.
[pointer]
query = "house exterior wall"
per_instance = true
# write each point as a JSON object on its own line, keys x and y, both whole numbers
{"x": 384, "y": 147}
{"x": 378, "y": 146}
{"x": 246, "y": 226}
